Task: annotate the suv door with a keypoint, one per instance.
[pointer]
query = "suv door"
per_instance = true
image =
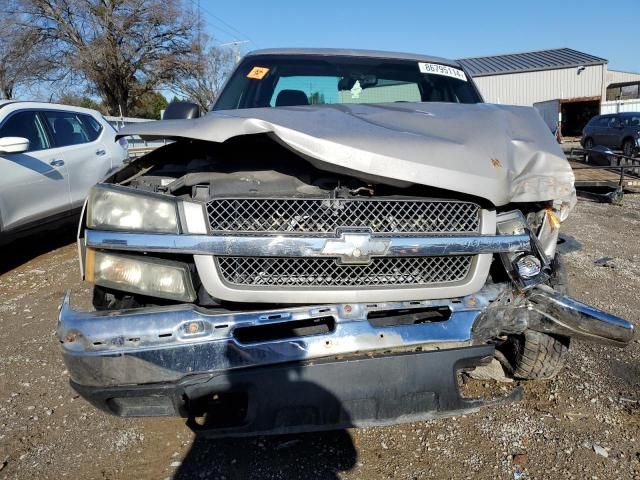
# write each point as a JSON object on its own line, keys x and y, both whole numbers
{"x": 600, "y": 130}
{"x": 611, "y": 135}
{"x": 34, "y": 184}
{"x": 79, "y": 141}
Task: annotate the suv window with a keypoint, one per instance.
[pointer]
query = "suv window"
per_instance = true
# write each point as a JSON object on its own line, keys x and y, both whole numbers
{"x": 92, "y": 127}
{"x": 614, "y": 122}
{"x": 634, "y": 122}
{"x": 603, "y": 121}
{"x": 68, "y": 128}
{"x": 27, "y": 125}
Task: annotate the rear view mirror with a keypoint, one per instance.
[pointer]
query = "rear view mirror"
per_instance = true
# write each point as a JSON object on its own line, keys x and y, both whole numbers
{"x": 13, "y": 145}
{"x": 346, "y": 83}
{"x": 365, "y": 81}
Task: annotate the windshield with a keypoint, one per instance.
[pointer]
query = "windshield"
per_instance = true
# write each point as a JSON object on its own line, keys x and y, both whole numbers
{"x": 282, "y": 81}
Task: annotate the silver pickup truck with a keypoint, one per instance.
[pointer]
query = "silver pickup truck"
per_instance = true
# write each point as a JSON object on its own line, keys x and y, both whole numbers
{"x": 331, "y": 246}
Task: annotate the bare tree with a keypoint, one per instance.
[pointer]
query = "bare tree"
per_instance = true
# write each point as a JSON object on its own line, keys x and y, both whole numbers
{"x": 23, "y": 58}
{"x": 121, "y": 48}
{"x": 201, "y": 81}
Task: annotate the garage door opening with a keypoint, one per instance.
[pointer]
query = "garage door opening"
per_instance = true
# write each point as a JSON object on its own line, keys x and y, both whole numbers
{"x": 576, "y": 114}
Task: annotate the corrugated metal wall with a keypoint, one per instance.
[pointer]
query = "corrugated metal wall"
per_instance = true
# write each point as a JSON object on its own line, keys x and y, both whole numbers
{"x": 615, "y": 76}
{"x": 531, "y": 87}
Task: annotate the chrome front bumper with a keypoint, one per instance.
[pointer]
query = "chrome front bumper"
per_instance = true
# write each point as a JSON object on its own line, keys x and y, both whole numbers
{"x": 165, "y": 344}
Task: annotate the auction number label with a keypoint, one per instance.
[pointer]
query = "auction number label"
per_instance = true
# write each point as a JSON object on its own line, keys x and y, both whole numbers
{"x": 444, "y": 70}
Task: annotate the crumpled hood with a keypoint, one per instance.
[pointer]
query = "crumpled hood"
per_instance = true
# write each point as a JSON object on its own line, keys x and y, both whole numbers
{"x": 501, "y": 153}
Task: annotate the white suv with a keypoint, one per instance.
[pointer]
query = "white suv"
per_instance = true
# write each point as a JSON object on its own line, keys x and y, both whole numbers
{"x": 50, "y": 156}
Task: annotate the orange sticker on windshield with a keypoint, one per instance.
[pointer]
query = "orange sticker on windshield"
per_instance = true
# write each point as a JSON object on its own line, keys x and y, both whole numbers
{"x": 258, "y": 73}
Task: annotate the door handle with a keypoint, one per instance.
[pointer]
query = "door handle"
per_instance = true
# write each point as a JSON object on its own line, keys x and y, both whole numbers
{"x": 101, "y": 152}
{"x": 56, "y": 163}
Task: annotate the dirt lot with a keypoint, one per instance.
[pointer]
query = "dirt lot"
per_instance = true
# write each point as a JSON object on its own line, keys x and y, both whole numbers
{"x": 46, "y": 431}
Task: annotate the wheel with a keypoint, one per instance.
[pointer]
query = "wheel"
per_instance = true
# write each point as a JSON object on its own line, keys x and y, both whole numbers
{"x": 627, "y": 147}
{"x": 535, "y": 355}
{"x": 588, "y": 144}
{"x": 538, "y": 356}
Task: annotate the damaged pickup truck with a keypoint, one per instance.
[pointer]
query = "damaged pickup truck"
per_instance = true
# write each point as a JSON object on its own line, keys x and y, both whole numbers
{"x": 331, "y": 246}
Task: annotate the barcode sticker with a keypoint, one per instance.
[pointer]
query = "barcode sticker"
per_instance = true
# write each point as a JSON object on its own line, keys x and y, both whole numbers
{"x": 445, "y": 70}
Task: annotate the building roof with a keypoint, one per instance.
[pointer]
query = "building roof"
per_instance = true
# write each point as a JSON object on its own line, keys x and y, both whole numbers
{"x": 528, "y": 62}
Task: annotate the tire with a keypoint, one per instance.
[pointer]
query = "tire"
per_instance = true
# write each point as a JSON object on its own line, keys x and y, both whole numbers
{"x": 627, "y": 147}
{"x": 535, "y": 355}
{"x": 588, "y": 143}
{"x": 538, "y": 356}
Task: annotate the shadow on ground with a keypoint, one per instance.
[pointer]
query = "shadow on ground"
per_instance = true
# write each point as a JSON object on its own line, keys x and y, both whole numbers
{"x": 292, "y": 396}
{"x": 568, "y": 244}
{"x": 29, "y": 247}
{"x": 312, "y": 455}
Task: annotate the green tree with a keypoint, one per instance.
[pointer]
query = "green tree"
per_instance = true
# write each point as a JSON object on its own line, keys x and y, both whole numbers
{"x": 81, "y": 101}
{"x": 149, "y": 106}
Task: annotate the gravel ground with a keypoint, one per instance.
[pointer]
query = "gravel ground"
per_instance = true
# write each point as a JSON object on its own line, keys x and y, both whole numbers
{"x": 583, "y": 424}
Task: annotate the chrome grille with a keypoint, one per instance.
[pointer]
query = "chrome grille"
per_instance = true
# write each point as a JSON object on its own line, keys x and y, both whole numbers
{"x": 327, "y": 272}
{"x": 296, "y": 215}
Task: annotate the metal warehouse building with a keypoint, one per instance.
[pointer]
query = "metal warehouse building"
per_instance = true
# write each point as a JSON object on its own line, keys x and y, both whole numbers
{"x": 567, "y": 87}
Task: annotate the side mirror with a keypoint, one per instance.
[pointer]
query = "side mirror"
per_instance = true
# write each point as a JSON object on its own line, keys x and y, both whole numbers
{"x": 181, "y": 111}
{"x": 13, "y": 145}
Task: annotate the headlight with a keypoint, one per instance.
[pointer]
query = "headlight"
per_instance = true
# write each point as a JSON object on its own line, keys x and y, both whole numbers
{"x": 114, "y": 208}
{"x": 146, "y": 276}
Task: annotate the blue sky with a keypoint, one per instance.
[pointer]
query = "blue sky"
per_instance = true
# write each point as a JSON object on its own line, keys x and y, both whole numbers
{"x": 450, "y": 28}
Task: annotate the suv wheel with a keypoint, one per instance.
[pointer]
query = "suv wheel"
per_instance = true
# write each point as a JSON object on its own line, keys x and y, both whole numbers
{"x": 588, "y": 144}
{"x": 627, "y": 147}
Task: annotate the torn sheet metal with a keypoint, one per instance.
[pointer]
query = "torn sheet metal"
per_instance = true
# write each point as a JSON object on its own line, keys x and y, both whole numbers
{"x": 502, "y": 153}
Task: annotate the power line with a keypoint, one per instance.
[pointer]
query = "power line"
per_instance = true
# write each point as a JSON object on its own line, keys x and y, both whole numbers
{"x": 225, "y": 33}
{"x": 198, "y": 7}
{"x": 238, "y": 32}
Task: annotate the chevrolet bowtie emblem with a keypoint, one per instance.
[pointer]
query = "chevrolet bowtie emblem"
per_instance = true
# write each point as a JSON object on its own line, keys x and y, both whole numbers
{"x": 355, "y": 248}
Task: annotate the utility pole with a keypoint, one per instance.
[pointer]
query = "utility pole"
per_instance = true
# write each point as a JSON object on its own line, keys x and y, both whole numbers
{"x": 199, "y": 31}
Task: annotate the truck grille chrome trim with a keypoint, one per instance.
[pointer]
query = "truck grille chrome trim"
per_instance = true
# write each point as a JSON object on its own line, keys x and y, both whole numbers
{"x": 326, "y": 215}
{"x": 327, "y": 272}
{"x": 296, "y": 246}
